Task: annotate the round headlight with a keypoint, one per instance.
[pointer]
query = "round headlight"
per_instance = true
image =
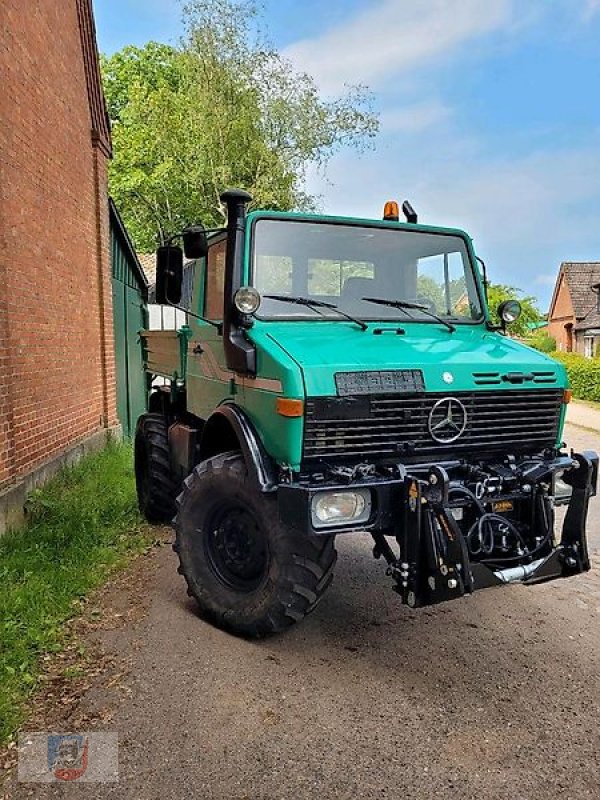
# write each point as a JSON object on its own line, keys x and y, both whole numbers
{"x": 509, "y": 311}
{"x": 247, "y": 300}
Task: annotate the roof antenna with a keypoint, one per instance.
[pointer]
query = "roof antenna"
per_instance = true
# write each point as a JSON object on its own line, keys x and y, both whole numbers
{"x": 409, "y": 212}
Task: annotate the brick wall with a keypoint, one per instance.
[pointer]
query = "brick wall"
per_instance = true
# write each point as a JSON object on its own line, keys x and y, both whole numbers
{"x": 56, "y": 351}
{"x": 562, "y": 315}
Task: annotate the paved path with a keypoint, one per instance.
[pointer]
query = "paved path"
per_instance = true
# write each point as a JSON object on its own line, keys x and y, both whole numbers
{"x": 583, "y": 416}
{"x": 490, "y": 697}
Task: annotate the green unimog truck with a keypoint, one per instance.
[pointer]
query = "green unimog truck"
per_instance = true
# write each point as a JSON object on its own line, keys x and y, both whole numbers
{"x": 341, "y": 375}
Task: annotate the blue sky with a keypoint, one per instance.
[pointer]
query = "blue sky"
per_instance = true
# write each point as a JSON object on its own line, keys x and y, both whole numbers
{"x": 490, "y": 114}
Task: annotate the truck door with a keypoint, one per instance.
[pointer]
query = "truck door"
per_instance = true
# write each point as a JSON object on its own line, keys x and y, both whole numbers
{"x": 208, "y": 380}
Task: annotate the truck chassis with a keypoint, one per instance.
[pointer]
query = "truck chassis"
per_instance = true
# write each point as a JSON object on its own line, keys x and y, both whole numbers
{"x": 262, "y": 473}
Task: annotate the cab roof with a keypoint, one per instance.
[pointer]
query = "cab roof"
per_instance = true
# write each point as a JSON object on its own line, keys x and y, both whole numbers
{"x": 300, "y": 216}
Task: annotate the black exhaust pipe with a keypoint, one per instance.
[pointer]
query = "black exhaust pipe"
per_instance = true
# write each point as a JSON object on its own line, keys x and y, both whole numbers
{"x": 240, "y": 354}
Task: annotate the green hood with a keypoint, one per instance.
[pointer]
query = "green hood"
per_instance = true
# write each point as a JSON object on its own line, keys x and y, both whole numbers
{"x": 470, "y": 358}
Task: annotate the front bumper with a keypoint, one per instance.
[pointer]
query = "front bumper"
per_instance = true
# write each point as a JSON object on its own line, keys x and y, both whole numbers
{"x": 416, "y": 508}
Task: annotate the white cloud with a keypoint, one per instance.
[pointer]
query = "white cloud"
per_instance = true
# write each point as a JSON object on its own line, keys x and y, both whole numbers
{"x": 394, "y": 37}
{"x": 414, "y": 119}
{"x": 591, "y": 8}
{"x": 526, "y": 214}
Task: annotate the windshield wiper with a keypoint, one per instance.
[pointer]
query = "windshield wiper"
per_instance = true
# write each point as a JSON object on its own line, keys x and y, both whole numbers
{"x": 404, "y": 306}
{"x": 316, "y": 305}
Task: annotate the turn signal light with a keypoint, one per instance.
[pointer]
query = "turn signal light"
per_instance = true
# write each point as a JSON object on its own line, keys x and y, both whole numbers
{"x": 288, "y": 407}
{"x": 391, "y": 211}
{"x": 567, "y": 395}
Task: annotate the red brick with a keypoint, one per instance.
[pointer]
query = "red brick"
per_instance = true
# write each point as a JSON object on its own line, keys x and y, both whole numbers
{"x": 56, "y": 347}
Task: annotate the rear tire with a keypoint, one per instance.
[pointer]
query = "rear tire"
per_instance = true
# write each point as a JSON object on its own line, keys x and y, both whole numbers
{"x": 249, "y": 573}
{"x": 154, "y": 482}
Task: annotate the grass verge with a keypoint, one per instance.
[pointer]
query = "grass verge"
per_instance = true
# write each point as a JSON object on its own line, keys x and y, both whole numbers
{"x": 82, "y": 525}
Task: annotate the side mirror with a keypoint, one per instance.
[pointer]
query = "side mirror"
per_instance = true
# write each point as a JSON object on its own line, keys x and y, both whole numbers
{"x": 169, "y": 275}
{"x": 195, "y": 244}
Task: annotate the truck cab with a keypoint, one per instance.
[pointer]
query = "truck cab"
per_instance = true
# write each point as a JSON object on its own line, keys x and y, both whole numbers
{"x": 341, "y": 375}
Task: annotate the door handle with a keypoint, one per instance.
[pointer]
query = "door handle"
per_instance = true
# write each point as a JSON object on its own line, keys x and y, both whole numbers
{"x": 198, "y": 350}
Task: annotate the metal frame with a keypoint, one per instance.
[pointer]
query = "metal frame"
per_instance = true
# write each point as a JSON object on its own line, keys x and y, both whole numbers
{"x": 433, "y": 563}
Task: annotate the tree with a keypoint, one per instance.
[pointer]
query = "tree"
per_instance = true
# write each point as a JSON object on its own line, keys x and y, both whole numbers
{"x": 497, "y": 293}
{"x": 222, "y": 109}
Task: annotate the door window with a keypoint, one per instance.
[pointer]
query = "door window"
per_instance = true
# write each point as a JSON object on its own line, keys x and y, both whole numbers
{"x": 215, "y": 282}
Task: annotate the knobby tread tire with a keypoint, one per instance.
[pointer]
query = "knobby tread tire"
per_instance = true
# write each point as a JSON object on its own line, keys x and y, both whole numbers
{"x": 300, "y": 566}
{"x": 156, "y": 487}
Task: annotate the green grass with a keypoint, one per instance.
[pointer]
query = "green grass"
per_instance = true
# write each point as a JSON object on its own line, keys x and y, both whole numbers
{"x": 82, "y": 525}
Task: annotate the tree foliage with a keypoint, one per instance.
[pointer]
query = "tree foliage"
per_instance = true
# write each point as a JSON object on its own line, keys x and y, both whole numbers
{"x": 222, "y": 109}
{"x": 497, "y": 293}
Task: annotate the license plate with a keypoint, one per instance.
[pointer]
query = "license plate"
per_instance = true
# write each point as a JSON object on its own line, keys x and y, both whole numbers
{"x": 502, "y": 506}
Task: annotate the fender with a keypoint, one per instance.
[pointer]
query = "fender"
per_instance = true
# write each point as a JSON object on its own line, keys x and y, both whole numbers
{"x": 230, "y": 419}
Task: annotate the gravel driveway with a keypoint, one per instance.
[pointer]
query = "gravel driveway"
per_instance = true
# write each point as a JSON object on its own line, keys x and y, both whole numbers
{"x": 494, "y": 696}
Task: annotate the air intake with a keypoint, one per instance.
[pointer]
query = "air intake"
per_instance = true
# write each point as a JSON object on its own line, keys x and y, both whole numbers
{"x": 486, "y": 378}
{"x": 548, "y": 376}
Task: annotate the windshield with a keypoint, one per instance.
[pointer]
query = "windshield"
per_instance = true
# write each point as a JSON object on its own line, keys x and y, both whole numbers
{"x": 342, "y": 264}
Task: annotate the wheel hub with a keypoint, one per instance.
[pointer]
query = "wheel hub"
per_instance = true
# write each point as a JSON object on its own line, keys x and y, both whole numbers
{"x": 237, "y": 549}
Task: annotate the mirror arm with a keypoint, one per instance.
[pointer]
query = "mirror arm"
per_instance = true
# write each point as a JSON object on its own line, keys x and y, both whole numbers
{"x": 172, "y": 238}
{"x": 491, "y": 327}
{"x": 485, "y": 277}
{"x": 217, "y": 325}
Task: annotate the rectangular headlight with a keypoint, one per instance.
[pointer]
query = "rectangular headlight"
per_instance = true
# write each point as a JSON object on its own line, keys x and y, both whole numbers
{"x": 339, "y": 508}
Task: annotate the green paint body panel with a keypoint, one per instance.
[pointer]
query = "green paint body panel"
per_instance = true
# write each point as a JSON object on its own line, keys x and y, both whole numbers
{"x": 320, "y": 349}
{"x": 282, "y": 436}
{"x": 184, "y": 335}
{"x": 305, "y": 355}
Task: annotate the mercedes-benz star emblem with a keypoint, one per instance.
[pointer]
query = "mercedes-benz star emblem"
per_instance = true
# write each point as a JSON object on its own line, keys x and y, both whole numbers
{"x": 447, "y": 420}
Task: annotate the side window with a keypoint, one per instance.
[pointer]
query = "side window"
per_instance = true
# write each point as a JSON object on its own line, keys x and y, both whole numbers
{"x": 441, "y": 281}
{"x": 215, "y": 282}
{"x": 198, "y": 287}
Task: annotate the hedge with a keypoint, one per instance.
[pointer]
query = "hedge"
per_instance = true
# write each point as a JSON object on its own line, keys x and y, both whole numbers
{"x": 542, "y": 342}
{"x": 584, "y": 375}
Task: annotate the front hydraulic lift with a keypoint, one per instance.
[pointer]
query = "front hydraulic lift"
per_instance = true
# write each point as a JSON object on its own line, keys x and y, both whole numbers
{"x": 435, "y": 564}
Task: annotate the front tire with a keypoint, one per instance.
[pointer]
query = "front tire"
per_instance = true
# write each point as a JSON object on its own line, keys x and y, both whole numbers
{"x": 249, "y": 573}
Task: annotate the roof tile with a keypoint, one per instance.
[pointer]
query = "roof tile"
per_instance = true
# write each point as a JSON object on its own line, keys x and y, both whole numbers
{"x": 580, "y": 277}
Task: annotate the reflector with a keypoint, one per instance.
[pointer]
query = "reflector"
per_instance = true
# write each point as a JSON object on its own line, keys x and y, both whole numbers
{"x": 289, "y": 407}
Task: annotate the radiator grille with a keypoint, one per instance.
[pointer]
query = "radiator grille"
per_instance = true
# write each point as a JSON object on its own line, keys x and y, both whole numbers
{"x": 512, "y": 421}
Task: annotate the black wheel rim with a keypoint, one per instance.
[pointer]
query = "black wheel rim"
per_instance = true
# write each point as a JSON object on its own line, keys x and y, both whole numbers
{"x": 236, "y": 548}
